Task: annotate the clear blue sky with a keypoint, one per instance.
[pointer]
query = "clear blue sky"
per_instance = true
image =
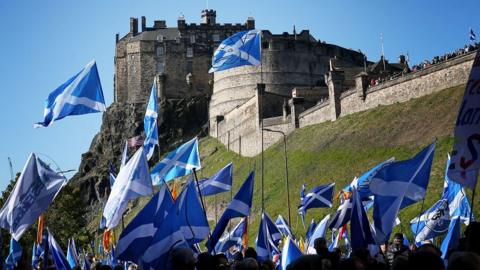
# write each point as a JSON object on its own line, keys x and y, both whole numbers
{"x": 43, "y": 43}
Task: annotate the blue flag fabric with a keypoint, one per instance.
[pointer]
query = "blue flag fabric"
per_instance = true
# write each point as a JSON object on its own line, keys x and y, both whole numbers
{"x": 34, "y": 191}
{"x": 184, "y": 225}
{"x": 15, "y": 254}
{"x": 452, "y": 238}
{"x": 311, "y": 229}
{"x": 150, "y": 123}
{"x": 219, "y": 182}
{"x": 179, "y": 162}
{"x": 472, "y": 35}
{"x": 267, "y": 239}
{"x": 140, "y": 231}
{"x": 81, "y": 94}
{"x": 283, "y": 227}
{"x": 458, "y": 203}
{"x": 290, "y": 253}
{"x": 132, "y": 181}
{"x": 432, "y": 223}
{"x": 233, "y": 238}
{"x": 112, "y": 174}
{"x": 362, "y": 183}
{"x": 343, "y": 214}
{"x": 319, "y": 231}
{"x": 397, "y": 186}
{"x": 35, "y": 258}
{"x": 243, "y": 48}
{"x": 320, "y": 196}
{"x": 360, "y": 232}
{"x": 239, "y": 207}
{"x": 72, "y": 256}
{"x": 61, "y": 263}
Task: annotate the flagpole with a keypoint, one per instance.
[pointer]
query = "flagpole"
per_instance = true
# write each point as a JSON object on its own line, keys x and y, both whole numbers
{"x": 418, "y": 220}
{"x": 473, "y": 203}
{"x": 201, "y": 199}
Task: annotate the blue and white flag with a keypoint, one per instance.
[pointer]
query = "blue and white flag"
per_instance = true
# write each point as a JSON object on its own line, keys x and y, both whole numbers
{"x": 319, "y": 232}
{"x": 268, "y": 239}
{"x": 124, "y": 155}
{"x": 132, "y": 181}
{"x": 472, "y": 35}
{"x": 140, "y": 231}
{"x": 15, "y": 254}
{"x": 232, "y": 238}
{"x": 452, "y": 238}
{"x": 397, "y": 186}
{"x": 35, "y": 258}
{"x": 458, "y": 203}
{"x": 111, "y": 174}
{"x": 72, "y": 255}
{"x": 311, "y": 229}
{"x": 465, "y": 162}
{"x": 34, "y": 191}
{"x": 150, "y": 123}
{"x": 81, "y": 94}
{"x": 240, "y": 206}
{"x": 362, "y": 183}
{"x": 283, "y": 227}
{"x": 290, "y": 253}
{"x": 179, "y": 162}
{"x": 219, "y": 182}
{"x": 61, "y": 263}
{"x": 320, "y": 196}
{"x": 184, "y": 225}
{"x": 432, "y": 223}
{"x": 361, "y": 234}
{"x": 343, "y": 214}
{"x": 243, "y": 48}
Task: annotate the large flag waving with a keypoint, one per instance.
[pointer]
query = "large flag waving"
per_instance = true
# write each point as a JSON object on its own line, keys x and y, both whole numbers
{"x": 241, "y": 49}
{"x": 397, "y": 186}
{"x": 233, "y": 238}
{"x": 283, "y": 227}
{"x": 81, "y": 94}
{"x": 431, "y": 223}
{"x": 465, "y": 162}
{"x": 132, "y": 181}
{"x": 219, "y": 182}
{"x": 360, "y": 231}
{"x": 15, "y": 254}
{"x": 267, "y": 239}
{"x": 290, "y": 253}
{"x": 150, "y": 123}
{"x": 320, "y": 196}
{"x": 458, "y": 203}
{"x": 177, "y": 163}
{"x": 238, "y": 207}
{"x": 34, "y": 191}
{"x": 319, "y": 231}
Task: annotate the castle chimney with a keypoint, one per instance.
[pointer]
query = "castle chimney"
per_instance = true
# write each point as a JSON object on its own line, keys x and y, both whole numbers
{"x": 209, "y": 16}
{"x": 159, "y": 24}
{"x": 250, "y": 23}
{"x": 181, "y": 22}
{"x": 144, "y": 23}
{"x": 133, "y": 25}
{"x": 401, "y": 59}
{"x": 117, "y": 36}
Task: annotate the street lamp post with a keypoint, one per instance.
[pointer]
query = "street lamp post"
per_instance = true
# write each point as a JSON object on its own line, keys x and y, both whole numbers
{"x": 286, "y": 167}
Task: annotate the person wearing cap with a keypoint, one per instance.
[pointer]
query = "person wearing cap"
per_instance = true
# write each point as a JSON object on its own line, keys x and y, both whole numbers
{"x": 396, "y": 249}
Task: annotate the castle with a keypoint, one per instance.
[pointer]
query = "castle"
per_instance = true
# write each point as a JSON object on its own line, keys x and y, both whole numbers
{"x": 302, "y": 80}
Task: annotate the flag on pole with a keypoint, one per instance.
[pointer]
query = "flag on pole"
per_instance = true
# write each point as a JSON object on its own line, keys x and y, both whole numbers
{"x": 34, "y": 191}
{"x": 320, "y": 196}
{"x": 111, "y": 174}
{"x": 472, "y": 35}
{"x": 311, "y": 229}
{"x": 361, "y": 234}
{"x": 283, "y": 227}
{"x": 81, "y": 94}
{"x": 362, "y": 183}
{"x": 458, "y": 204}
{"x": 432, "y": 223}
{"x": 219, "y": 182}
{"x": 150, "y": 123}
{"x": 239, "y": 207}
{"x": 290, "y": 253}
{"x": 319, "y": 231}
{"x": 465, "y": 161}
{"x": 267, "y": 239}
{"x": 139, "y": 232}
{"x": 232, "y": 238}
{"x": 452, "y": 238}
{"x": 243, "y": 48}
{"x": 132, "y": 181}
{"x": 179, "y": 162}
{"x": 61, "y": 263}
{"x": 397, "y": 186}
{"x": 15, "y": 254}
{"x": 72, "y": 255}
{"x": 343, "y": 214}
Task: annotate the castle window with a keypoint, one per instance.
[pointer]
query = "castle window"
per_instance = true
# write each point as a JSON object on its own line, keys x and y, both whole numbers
{"x": 160, "y": 51}
{"x": 189, "y": 67}
{"x": 192, "y": 39}
{"x": 265, "y": 45}
{"x": 160, "y": 67}
{"x": 216, "y": 37}
{"x": 189, "y": 52}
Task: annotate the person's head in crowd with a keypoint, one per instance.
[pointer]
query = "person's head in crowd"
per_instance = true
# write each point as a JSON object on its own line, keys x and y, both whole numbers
{"x": 464, "y": 261}
{"x": 119, "y": 267}
{"x": 105, "y": 267}
{"x": 77, "y": 267}
{"x": 361, "y": 254}
{"x": 247, "y": 264}
{"x": 384, "y": 247}
{"x": 220, "y": 262}
{"x": 306, "y": 262}
{"x": 250, "y": 253}
{"x": 398, "y": 239}
{"x": 132, "y": 267}
{"x": 320, "y": 245}
{"x": 422, "y": 260}
{"x": 351, "y": 264}
{"x": 204, "y": 261}
{"x": 430, "y": 248}
{"x": 472, "y": 235}
{"x": 237, "y": 256}
{"x": 95, "y": 266}
{"x": 182, "y": 259}
{"x": 267, "y": 265}
{"x": 400, "y": 263}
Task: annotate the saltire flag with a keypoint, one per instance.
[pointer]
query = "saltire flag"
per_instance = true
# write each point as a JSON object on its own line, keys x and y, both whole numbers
{"x": 290, "y": 253}
{"x": 343, "y": 214}
{"x": 132, "y": 181}
{"x": 267, "y": 239}
{"x": 431, "y": 223}
{"x": 317, "y": 197}
{"x": 40, "y": 224}
{"x": 240, "y": 206}
{"x": 319, "y": 231}
{"x": 184, "y": 225}
{"x": 232, "y": 238}
{"x": 15, "y": 254}
{"x": 140, "y": 231}
{"x": 311, "y": 229}
{"x": 35, "y": 256}
{"x": 472, "y": 35}
{"x": 179, "y": 162}
{"x": 458, "y": 203}
{"x": 219, "y": 182}
{"x": 111, "y": 174}
{"x": 452, "y": 238}
{"x": 72, "y": 255}
{"x": 150, "y": 123}
{"x": 61, "y": 263}
{"x": 337, "y": 236}
{"x": 361, "y": 234}
{"x": 124, "y": 155}
{"x": 397, "y": 186}
{"x": 81, "y": 94}
{"x": 135, "y": 141}
{"x": 362, "y": 183}
{"x": 465, "y": 161}
{"x": 284, "y": 227}
{"x": 34, "y": 191}
{"x": 240, "y": 49}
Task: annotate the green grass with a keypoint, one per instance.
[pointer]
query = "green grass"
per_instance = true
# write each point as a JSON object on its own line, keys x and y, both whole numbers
{"x": 337, "y": 152}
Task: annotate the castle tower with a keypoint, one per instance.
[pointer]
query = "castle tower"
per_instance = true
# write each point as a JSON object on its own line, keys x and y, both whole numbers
{"x": 209, "y": 16}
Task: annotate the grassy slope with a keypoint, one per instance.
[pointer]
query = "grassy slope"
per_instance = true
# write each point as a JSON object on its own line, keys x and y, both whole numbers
{"x": 338, "y": 151}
